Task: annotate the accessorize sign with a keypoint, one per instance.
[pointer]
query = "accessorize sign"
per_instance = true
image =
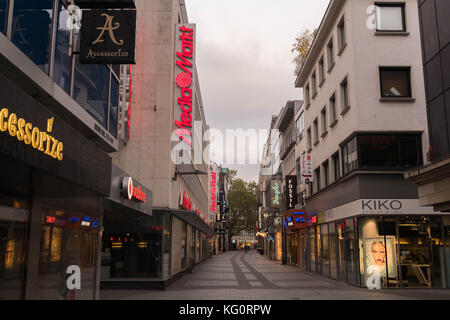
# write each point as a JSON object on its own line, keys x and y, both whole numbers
{"x": 291, "y": 192}
{"x": 184, "y": 81}
{"x": 213, "y": 192}
{"x": 275, "y": 191}
{"x": 108, "y": 37}
{"x": 27, "y": 133}
{"x": 37, "y": 137}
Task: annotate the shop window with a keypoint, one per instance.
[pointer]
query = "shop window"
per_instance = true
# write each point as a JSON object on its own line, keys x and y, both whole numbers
{"x": 390, "y": 17}
{"x": 66, "y": 239}
{"x": 183, "y": 245}
{"x": 446, "y": 227}
{"x": 167, "y": 233}
{"x": 341, "y": 251}
{"x": 312, "y": 249}
{"x": 395, "y": 82}
{"x": 4, "y": 5}
{"x": 377, "y": 253}
{"x": 333, "y": 240}
{"x": 32, "y": 30}
{"x": 351, "y": 252}
{"x": 63, "y": 61}
{"x": 325, "y": 256}
{"x": 13, "y": 234}
{"x": 91, "y": 90}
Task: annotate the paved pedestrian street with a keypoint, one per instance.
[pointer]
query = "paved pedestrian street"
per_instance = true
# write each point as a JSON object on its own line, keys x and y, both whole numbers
{"x": 250, "y": 276}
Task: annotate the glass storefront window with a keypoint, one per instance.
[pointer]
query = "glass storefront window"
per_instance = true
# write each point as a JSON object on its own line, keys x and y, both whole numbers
{"x": 63, "y": 61}
{"x": 91, "y": 89}
{"x": 4, "y": 5}
{"x": 341, "y": 251}
{"x": 303, "y": 250}
{"x": 446, "y": 226}
{"x": 325, "y": 250}
{"x": 67, "y": 238}
{"x": 318, "y": 250}
{"x": 312, "y": 249}
{"x": 183, "y": 245}
{"x": 32, "y": 30}
{"x": 333, "y": 250}
{"x": 437, "y": 253}
{"x": 351, "y": 251}
{"x": 13, "y": 233}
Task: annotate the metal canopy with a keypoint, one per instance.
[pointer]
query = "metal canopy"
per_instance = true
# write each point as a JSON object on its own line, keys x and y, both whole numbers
{"x": 105, "y": 4}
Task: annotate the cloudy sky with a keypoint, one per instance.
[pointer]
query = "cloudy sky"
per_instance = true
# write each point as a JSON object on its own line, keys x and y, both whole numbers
{"x": 244, "y": 61}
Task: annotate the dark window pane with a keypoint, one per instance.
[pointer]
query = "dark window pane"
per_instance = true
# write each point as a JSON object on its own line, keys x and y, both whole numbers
{"x": 3, "y": 15}
{"x": 395, "y": 82}
{"x": 429, "y": 30}
{"x": 114, "y": 107}
{"x": 32, "y": 29}
{"x": 433, "y": 78}
{"x": 409, "y": 152}
{"x": 445, "y": 60}
{"x": 91, "y": 89}
{"x": 438, "y": 127}
{"x": 443, "y": 12}
{"x": 379, "y": 151}
{"x": 63, "y": 61}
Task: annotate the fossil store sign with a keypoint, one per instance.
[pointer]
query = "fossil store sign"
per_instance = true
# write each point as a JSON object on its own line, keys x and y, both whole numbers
{"x": 108, "y": 37}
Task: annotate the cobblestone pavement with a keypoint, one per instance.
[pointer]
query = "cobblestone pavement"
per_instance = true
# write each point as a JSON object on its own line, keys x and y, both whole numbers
{"x": 250, "y": 276}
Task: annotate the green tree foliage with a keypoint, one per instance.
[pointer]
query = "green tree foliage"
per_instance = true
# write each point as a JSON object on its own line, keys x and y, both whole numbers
{"x": 243, "y": 205}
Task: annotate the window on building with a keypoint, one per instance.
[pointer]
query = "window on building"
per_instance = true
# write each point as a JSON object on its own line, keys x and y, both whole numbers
{"x": 341, "y": 34}
{"x": 326, "y": 174}
{"x": 323, "y": 116}
{"x": 300, "y": 125}
{"x": 313, "y": 85}
{"x": 4, "y": 5}
{"x": 63, "y": 61}
{"x": 390, "y": 17}
{"x": 394, "y": 151}
{"x": 32, "y": 30}
{"x": 395, "y": 82}
{"x": 350, "y": 155}
{"x": 330, "y": 53}
{"x": 321, "y": 71}
{"x": 333, "y": 114}
{"x": 336, "y": 166}
{"x": 307, "y": 97}
{"x": 308, "y": 139}
{"x": 317, "y": 179}
{"x": 316, "y": 131}
{"x": 114, "y": 106}
{"x": 345, "y": 105}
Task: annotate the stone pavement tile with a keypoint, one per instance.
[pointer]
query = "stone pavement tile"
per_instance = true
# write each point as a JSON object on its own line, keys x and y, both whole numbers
{"x": 210, "y": 283}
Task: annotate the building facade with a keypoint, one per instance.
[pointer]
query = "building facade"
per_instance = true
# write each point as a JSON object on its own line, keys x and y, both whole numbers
{"x": 58, "y": 124}
{"x": 365, "y": 126}
{"x": 164, "y": 153}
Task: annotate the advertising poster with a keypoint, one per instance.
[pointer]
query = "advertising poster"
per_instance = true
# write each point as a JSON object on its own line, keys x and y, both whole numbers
{"x": 376, "y": 253}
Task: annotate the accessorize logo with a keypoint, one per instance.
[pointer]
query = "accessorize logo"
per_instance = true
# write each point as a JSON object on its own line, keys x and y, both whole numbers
{"x": 31, "y": 135}
{"x": 110, "y": 28}
{"x": 213, "y": 192}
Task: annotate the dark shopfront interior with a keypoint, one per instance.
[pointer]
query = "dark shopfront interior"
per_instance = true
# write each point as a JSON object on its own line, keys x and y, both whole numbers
{"x": 133, "y": 243}
{"x": 408, "y": 251}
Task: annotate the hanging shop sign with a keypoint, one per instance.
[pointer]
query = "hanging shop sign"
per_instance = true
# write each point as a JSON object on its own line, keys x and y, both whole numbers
{"x": 213, "y": 192}
{"x": 275, "y": 192}
{"x": 291, "y": 192}
{"x": 29, "y": 134}
{"x": 108, "y": 37}
{"x": 218, "y": 216}
{"x": 184, "y": 82}
{"x": 306, "y": 168}
{"x": 132, "y": 191}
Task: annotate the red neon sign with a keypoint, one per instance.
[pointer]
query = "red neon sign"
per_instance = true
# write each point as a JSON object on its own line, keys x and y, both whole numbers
{"x": 213, "y": 192}
{"x": 187, "y": 203}
{"x": 50, "y": 219}
{"x": 184, "y": 81}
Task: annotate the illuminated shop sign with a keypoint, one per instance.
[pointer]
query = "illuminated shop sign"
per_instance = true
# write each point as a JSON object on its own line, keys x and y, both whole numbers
{"x": 108, "y": 37}
{"x": 213, "y": 192}
{"x": 31, "y": 135}
{"x": 306, "y": 168}
{"x": 131, "y": 191}
{"x": 291, "y": 192}
{"x": 184, "y": 75}
{"x": 275, "y": 193}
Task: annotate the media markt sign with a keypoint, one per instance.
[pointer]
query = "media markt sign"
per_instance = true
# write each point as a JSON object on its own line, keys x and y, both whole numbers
{"x": 108, "y": 37}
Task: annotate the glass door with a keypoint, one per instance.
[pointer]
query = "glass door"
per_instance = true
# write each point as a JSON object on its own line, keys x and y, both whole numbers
{"x": 341, "y": 251}
{"x": 414, "y": 251}
{"x": 351, "y": 250}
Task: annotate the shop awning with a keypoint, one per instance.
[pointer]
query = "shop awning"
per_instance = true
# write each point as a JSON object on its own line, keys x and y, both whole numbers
{"x": 192, "y": 218}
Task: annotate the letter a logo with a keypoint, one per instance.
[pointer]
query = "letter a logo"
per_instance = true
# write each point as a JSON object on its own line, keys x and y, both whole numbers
{"x": 108, "y": 27}
{"x": 74, "y": 278}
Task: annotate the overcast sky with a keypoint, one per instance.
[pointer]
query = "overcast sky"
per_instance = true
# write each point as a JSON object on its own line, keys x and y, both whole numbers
{"x": 244, "y": 60}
